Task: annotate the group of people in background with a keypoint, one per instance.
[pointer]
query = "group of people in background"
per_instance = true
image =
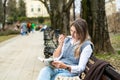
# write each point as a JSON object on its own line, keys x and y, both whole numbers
{"x": 26, "y": 28}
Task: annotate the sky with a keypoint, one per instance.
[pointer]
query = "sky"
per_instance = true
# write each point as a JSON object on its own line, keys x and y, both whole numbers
{"x": 118, "y": 5}
{"x": 77, "y": 8}
{"x": 77, "y": 2}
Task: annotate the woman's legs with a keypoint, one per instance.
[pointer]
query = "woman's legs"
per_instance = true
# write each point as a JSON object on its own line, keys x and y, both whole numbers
{"x": 62, "y": 72}
{"x": 46, "y": 73}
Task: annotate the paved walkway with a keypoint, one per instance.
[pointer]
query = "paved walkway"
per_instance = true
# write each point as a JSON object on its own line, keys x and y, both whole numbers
{"x": 18, "y": 57}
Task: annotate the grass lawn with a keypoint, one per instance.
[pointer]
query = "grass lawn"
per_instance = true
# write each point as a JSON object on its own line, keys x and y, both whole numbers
{"x": 115, "y": 40}
{"x": 113, "y": 59}
{"x": 6, "y": 37}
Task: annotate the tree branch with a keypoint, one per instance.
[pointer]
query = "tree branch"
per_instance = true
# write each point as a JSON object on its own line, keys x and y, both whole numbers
{"x": 45, "y": 4}
{"x": 68, "y": 5}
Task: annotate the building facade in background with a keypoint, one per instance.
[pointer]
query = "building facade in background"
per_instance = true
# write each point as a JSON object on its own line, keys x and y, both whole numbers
{"x": 110, "y": 7}
{"x": 34, "y": 8}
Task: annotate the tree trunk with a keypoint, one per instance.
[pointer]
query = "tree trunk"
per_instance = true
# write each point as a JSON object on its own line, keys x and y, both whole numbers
{"x": 1, "y": 11}
{"x": 74, "y": 15}
{"x": 97, "y": 23}
{"x": 87, "y": 15}
{"x": 4, "y": 14}
{"x": 61, "y": 21}
{"x": 59, "y": 11}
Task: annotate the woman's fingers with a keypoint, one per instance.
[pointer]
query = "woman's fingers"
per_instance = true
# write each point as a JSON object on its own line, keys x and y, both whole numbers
{"x": 61, "y": 38}
{"x": 56, "y": 64}
{"x": 59, "y": 64}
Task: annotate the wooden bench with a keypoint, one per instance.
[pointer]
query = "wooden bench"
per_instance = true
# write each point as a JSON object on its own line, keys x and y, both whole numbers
{"x": 48, "y": 36}
{"x": 109, "y": 73}
{"x": 49, "y": 42}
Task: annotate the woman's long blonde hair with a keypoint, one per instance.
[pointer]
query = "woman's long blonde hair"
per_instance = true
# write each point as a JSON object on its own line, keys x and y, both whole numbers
{"x": 82, "y": 32}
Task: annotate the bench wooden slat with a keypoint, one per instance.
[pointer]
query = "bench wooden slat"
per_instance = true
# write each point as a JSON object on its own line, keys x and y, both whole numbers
{"x": 109, "y": 74}
{"x": 114, "y": 75}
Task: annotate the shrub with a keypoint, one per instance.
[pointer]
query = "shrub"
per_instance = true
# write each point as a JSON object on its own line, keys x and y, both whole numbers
{"x": 8, "y": 32}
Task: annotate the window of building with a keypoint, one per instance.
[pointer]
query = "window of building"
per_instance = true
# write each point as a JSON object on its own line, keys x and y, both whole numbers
{"x": 38, "y": 9}
{"x": 32, "y": 9}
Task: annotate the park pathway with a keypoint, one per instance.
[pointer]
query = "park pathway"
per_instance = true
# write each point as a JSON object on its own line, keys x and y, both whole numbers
{"x": 18, "y": 57}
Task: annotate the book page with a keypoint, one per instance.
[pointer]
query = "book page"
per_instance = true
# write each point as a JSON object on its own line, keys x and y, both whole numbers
{"x": 47, "y": 61}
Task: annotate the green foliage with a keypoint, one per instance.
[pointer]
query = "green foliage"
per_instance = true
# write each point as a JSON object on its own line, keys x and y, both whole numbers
{"x": 10, "y": 19}
{"x": 21, "y": 9}
{"x": 12, "y": 10}
{"x": 40, "y": 19}
{"x": 115, "y": 40}
{"x": 16, "y": 12}
{"x": 44, "y": 20}
{"x": 8, "y": 32}
{"x": 47, "y": 22}
{"x": 1, "y": 11}
{"x": 119, "y": 52}
{"x": 21, "y": 19}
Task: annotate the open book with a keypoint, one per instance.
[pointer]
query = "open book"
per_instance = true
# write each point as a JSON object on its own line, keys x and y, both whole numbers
{"x": 47, "y": 61}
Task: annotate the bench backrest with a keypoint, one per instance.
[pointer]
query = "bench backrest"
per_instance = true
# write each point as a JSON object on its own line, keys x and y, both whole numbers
{"x": 109, "y": 73}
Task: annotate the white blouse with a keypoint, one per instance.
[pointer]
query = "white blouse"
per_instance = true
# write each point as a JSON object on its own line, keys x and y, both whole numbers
{"x": 84, "y": 57}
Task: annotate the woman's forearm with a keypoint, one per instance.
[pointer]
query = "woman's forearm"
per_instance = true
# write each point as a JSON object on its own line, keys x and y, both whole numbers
{"x": 57, "y": 52}
{"x": 59, "y": 48}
